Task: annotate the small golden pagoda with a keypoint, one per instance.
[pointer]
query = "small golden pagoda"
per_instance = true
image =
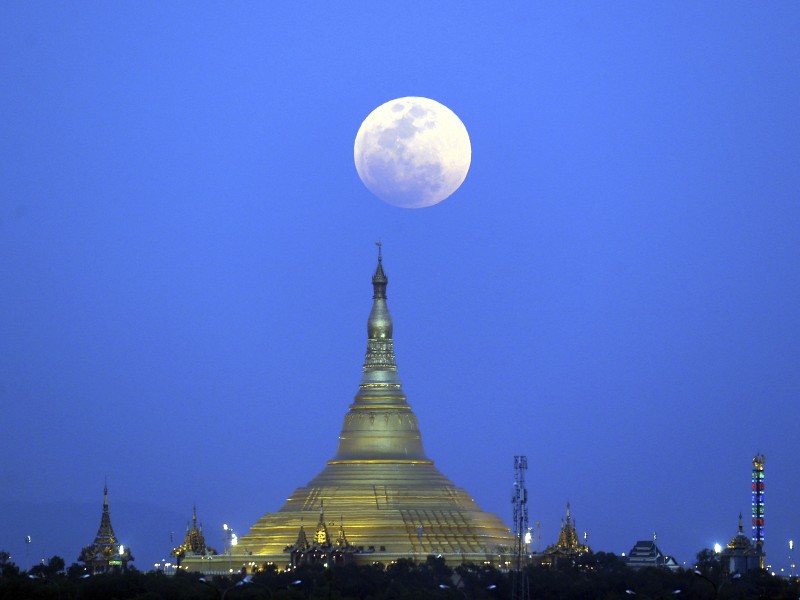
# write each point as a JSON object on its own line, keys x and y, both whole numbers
{"x": 569, "y": 544}
{"x": 394, "y": 501}
{"x": 321, "y": 550}
{"x": 194, "y": 544}
{"x": 740, "y": 555}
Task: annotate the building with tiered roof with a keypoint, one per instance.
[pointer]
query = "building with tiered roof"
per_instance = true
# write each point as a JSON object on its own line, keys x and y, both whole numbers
{"x": 105, "y": 552}
{"x": 740, "y": 555}
{"x": 322, "y": 549}
{"x": 568, "y": 547}
{"x": 646, "y": 554}
{"x": 194, "y": 543}
{"x": 394, "y": 501}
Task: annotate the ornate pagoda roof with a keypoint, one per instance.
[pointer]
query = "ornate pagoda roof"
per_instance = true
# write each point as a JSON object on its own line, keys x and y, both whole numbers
{"x": 740, "y": 543}
{"x": 569, "y": 542}
{"x": 194, "y": 542}
{"x": 106, "y": 550}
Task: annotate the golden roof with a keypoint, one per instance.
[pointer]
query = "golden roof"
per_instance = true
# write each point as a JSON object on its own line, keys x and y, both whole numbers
{"x": 568, "y": 539}
{"x": 194, "y": 542}
{"x": 758, "y": 461}
{"x": 740, "y": 541}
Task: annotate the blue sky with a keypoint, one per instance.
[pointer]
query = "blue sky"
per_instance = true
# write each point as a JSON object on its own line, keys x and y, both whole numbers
{"x": 186, "y": 250}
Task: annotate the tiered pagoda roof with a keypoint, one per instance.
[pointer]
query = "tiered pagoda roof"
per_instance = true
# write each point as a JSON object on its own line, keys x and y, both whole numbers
{"x": 106, "y": 552}
{"x": 194, "y": 543}
{"x": 569, "y": 543}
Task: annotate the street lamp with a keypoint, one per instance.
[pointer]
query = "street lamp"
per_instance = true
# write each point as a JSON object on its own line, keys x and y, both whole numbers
{"x": 229, "y": 540}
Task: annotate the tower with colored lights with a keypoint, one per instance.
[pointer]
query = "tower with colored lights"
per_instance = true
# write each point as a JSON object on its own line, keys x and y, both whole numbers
{"x": 758, "y": 505}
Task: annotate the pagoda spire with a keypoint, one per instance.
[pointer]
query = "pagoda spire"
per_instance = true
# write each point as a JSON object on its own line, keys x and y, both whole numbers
{"x": 105, "y": 533}
{"x": 321, "y": 535}
{"x": 380, "y": 381}
{"x": 380, "y": 424}
{"x": 302, "y": 540}
{"x": 379, "y": 324}
{"x": 194, "y": 543}
{"x": 379, "y": 280}
{"x": 106, "y": 550}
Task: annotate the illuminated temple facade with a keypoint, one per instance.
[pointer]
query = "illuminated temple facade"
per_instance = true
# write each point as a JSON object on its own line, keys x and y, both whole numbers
{"x": 380, "y": 490}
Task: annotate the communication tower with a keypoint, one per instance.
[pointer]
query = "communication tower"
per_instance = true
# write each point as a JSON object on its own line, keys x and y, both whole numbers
{"x": 519, "y": 499}
{"x": 758, "y": 505}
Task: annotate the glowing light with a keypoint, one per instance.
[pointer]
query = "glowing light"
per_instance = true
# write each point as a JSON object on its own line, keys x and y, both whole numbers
{"x": 717, "y": 548}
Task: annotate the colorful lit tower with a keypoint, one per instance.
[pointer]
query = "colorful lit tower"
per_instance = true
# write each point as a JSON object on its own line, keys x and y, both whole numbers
{"x": 758, "y": 505}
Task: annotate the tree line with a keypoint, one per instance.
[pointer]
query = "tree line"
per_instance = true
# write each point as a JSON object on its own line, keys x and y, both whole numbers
{"x": 601, "y": 576}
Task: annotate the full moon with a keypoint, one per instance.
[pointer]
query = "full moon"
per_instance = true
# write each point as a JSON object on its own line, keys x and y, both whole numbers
{"x": 412, "y": 152}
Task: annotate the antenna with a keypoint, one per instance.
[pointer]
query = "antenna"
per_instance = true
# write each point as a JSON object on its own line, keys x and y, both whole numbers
{"x": 519, "y": 500}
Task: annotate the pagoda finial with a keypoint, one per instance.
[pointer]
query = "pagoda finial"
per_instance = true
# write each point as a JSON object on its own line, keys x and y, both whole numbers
{"x": 379, "y": 325}
{"x": 379, "y": 280}
{"x": 321, "y": 535}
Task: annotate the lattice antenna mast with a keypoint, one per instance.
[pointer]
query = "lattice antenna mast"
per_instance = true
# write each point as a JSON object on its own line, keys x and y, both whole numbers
{"x": 519, "y": 500}
{"x": 520, "y": 503}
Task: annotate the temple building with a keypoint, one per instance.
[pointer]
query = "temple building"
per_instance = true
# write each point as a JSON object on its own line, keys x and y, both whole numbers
{"x": 194, "y": 544}
{"x": 394, "y": 502}
{"x": 322, "y": 549}
{"x": 740, "y": 555}
{"x": 646, "y": 554}
{"x": 106, "y": 552}
{"x": 568, "y": 547}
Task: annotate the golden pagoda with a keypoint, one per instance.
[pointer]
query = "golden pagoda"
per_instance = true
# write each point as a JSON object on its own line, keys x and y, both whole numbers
{"x": 194, "y": 543}
{"x": 569, "y": 544}
{"x": 740, "y": 555}
{"x": 391, "y": 498}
